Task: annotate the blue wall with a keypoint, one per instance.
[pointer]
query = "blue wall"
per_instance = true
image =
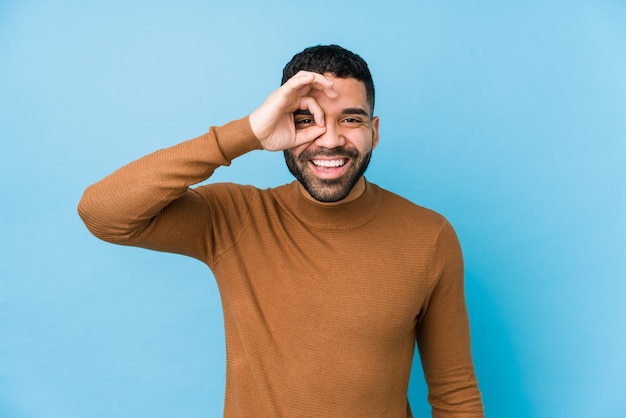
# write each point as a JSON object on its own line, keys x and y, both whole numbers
{"x": 507, "y": 117}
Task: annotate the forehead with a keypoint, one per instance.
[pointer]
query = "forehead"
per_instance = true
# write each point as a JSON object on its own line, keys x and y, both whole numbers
{"x": 351, "y": 94}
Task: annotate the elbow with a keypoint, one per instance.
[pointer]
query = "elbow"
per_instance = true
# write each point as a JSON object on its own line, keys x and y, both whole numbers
{"x": 91, "y": 212}
{"x": 87, "y": 211}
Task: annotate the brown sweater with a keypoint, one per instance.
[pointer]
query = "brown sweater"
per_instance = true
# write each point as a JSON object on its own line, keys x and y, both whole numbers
{"x": 322, "y": 303}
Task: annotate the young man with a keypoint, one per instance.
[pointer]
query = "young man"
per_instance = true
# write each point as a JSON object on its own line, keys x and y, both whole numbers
{"x": 326, "y": 282}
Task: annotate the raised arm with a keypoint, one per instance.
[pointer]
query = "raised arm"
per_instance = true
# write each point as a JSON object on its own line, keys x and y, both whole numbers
{"x": 149, "y": 202}
{"x": 129, "y": 206}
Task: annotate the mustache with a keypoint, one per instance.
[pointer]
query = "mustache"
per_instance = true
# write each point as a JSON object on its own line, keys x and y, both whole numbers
{"x": 344, "y": 152}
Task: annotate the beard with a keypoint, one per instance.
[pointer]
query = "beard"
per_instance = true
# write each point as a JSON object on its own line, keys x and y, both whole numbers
{"x": 325, "y": 190}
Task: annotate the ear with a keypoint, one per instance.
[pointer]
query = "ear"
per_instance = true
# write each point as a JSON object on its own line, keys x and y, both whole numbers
{"x": 375, "y": 122}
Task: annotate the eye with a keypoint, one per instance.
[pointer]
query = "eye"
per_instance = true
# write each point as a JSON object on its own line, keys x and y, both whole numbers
{"x": 304, "y": 122}
{"x": 352, "y": 120}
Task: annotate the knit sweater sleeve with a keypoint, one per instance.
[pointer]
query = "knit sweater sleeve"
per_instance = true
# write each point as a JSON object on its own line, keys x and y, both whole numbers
{"x": 443, "y": 336}
{"x": 149, "y": 202}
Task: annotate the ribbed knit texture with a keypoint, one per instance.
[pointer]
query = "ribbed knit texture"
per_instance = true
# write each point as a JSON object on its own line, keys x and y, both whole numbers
{"x": 322, "y": 303}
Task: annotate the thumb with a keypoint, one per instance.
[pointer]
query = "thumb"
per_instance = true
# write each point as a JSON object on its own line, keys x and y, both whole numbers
{"x": 309, "y": 134}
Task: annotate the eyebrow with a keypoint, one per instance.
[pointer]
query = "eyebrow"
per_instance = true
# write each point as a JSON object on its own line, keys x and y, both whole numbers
{"x": 346, "y": 111}
{"x": 355, "y": 111}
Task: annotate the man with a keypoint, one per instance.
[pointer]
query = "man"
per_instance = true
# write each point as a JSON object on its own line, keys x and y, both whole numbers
{"x": 327, "y": 282}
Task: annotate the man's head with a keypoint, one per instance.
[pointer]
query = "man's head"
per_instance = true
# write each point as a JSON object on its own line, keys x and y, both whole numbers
{"x": 334, "y": 60}
{"x": 331, "y": 165}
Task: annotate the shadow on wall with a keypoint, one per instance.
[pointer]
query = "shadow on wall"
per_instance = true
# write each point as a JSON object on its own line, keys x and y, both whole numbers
{"x": 495, "y": 360}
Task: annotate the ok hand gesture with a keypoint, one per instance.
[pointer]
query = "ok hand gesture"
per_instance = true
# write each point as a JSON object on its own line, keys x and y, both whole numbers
{"x": 273, "y": 122}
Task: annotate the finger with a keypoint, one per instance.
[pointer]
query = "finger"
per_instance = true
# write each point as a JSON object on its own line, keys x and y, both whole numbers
{"x": 308, "y": 134}
{"x": 304, "y": 81}
{"x": 309, "y": 104}
{"x": 322, "y": 83}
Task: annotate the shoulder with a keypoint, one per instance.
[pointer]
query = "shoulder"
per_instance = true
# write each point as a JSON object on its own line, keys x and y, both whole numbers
{"x": 226, "y": 189}
{"x": 228, "y": 197}
{"x": 399, "y": 207}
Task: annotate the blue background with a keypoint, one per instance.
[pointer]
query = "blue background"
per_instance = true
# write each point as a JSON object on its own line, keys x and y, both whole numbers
{"x": 507, "y": 117}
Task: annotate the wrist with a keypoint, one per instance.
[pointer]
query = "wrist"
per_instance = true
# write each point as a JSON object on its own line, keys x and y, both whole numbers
{"x": 236, "y": 138}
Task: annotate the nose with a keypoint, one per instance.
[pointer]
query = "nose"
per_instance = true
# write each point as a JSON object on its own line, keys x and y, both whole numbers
{"x": 331, "y": 138}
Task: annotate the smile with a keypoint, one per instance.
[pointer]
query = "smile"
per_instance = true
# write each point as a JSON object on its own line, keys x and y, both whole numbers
{"x": 329, "y": 163}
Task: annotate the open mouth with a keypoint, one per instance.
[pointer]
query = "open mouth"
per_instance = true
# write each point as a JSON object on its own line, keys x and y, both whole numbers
{"x": 339, "y": 162}
{"x": 329, "y": 168}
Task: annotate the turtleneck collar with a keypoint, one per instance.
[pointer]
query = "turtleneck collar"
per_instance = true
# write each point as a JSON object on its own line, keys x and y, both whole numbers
{"x": 332, "y": 216}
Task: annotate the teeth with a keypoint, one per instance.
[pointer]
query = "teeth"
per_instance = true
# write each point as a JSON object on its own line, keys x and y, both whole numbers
{"x": 328, "y": 163}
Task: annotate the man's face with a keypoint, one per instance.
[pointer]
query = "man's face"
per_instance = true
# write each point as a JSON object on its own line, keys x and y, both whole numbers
{"x": 330, "y": 166}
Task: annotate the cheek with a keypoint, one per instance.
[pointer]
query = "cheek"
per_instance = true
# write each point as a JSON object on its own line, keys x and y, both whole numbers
{"x": 299, "y": 149}
{"x": 294, "y": 153}
{"x": 363, "y": 141}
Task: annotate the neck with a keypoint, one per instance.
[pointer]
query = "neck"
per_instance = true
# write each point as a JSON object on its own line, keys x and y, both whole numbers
{"x": 356, "y": 192}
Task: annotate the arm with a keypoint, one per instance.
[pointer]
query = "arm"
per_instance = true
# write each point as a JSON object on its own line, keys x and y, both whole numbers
{"x": 148, "y": 203}
{"x": 443, "y": 337}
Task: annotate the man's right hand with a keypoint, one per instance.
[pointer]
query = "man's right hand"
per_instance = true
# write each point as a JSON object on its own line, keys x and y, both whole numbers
{"x": 273, "y": 122}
